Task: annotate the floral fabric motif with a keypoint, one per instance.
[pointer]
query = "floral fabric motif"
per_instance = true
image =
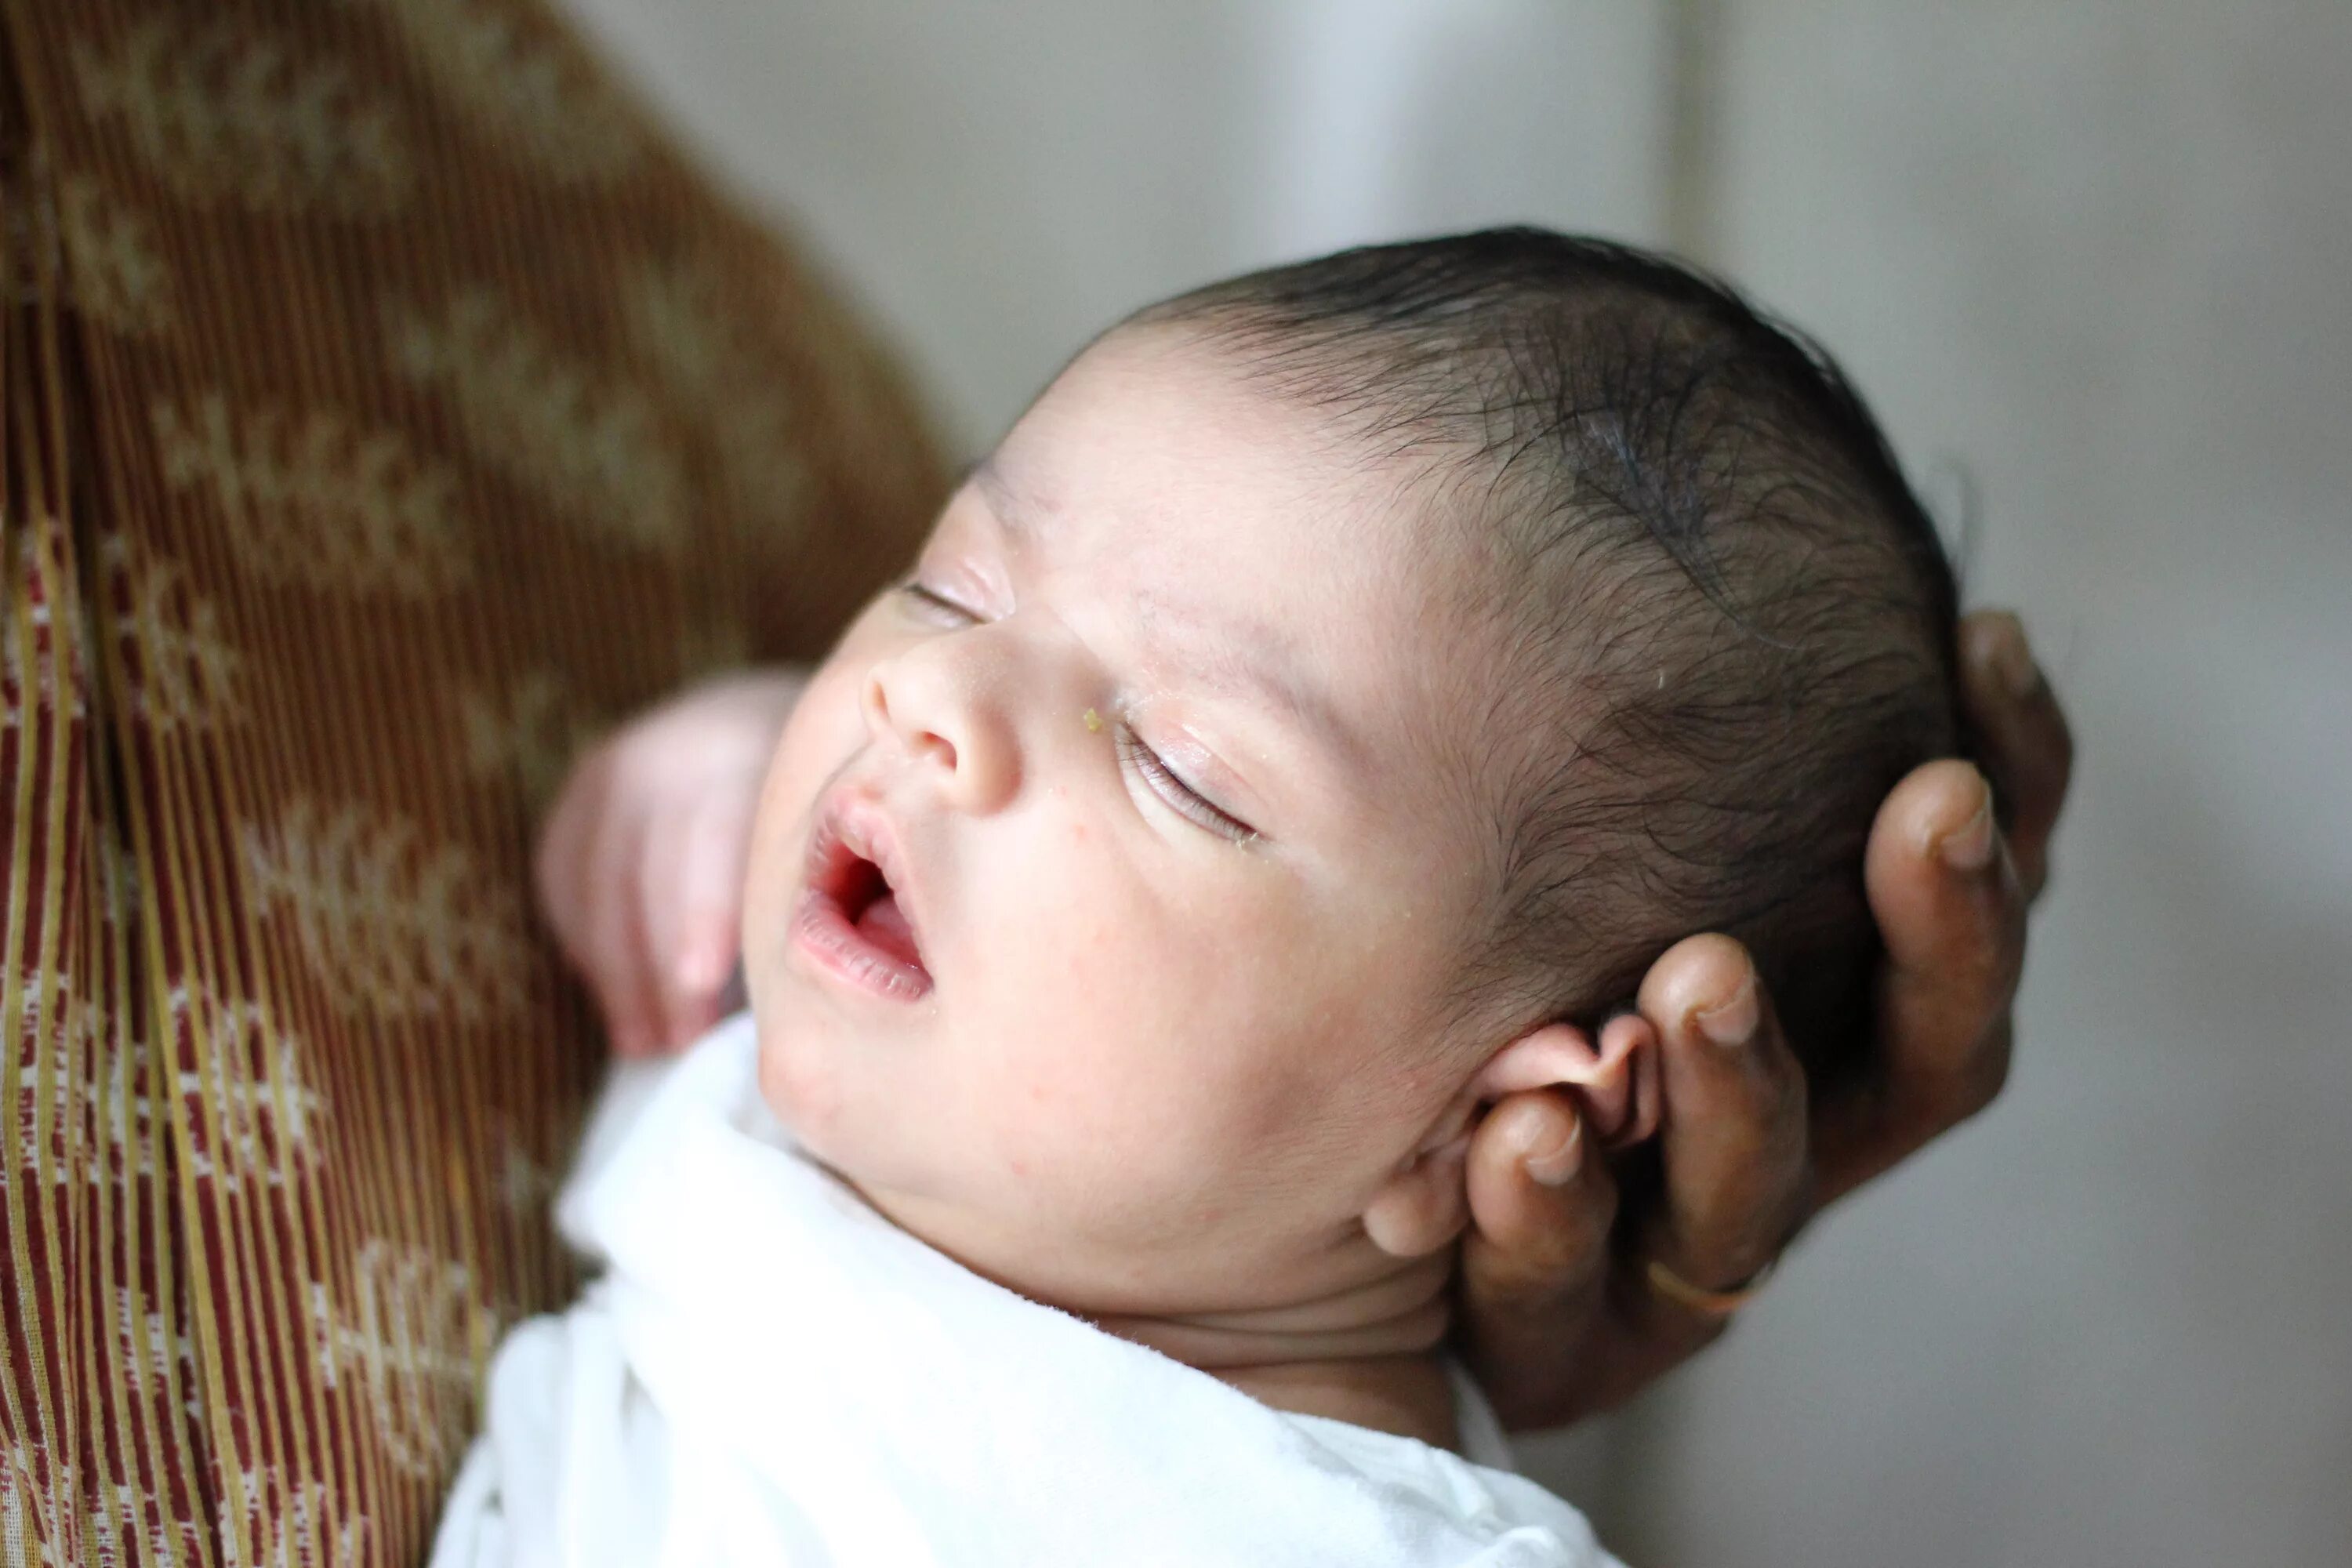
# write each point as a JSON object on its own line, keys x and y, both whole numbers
{"x": 386, "y": 406}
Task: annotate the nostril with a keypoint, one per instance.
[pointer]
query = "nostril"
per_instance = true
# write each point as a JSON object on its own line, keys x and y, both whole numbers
{"x": 934, "y": 747}
{"x": 908, "y": 704}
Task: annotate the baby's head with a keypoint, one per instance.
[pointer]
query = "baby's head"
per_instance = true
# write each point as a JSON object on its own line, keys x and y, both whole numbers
{"x": 1311, "y": 721}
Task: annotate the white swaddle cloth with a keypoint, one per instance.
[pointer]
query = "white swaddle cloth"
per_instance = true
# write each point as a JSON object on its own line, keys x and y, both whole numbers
{"x": 769, "y": 1374}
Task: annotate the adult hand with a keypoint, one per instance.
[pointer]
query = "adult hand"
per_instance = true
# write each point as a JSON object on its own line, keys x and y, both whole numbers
{"x": 640, "y": 868}
{"x": 1560, "y": 1318}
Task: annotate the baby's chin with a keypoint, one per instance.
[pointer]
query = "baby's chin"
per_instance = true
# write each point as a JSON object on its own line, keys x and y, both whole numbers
{"x": 799, "y": 1090}
{"x": 909, "y": 1186}
{"x": 801, "y": 1083}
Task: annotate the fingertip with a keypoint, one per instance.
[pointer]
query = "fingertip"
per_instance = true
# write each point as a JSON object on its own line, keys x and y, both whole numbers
{"x": 1969, "y": 847}
{"x": 694, "y": 980}
{"x": 1525, "y": 1126}
{"x": 1551, "y": 1151}
{"x": 703, "y": 959}
{"x": 1528, "y": 1182}
{"x": 1937, "y": 871}
{"x": 1703, "y": 990}
{"x": 2021, "y": 733}
{"x": 1941, "y": 812}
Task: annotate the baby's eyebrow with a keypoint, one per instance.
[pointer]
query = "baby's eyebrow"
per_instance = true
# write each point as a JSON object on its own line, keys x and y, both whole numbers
{"x": 1010, "y": 509}
{"x": 1226, "y": 655}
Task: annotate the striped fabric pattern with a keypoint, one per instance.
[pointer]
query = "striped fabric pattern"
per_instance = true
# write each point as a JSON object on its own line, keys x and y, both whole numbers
{"x": 387, "y": 408}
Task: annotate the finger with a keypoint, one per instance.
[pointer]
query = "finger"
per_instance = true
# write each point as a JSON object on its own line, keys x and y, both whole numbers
{"x": 692, "y": 927}
{"x": 559, "y": 869}
{"x": 660, "y": 864}
{"x": 2026, "y": 743}
{"x": 1733, "y": 1138}
{"x": 1535, "y": 1258}
{"x": 1952, "y": 915}
{"x": 1538, "y": 1205}
{"x": 613, "y": 912}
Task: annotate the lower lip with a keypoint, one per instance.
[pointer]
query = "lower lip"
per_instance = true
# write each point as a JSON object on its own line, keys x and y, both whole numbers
{"x": 821, "y": 930}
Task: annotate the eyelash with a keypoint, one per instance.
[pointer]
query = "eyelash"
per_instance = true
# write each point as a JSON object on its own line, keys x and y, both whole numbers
{"x": 913, "y": 588}
{"x": 1181, "y": 797}
{"x": 1162, "y": 780}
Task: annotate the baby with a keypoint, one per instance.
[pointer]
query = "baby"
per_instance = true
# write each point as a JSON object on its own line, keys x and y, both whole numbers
{"x": 1305, "y": 728}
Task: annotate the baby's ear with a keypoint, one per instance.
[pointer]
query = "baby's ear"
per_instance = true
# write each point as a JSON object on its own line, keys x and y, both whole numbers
{"x": 1615, "y": 1083}
{"x": 1423, "y": 1204}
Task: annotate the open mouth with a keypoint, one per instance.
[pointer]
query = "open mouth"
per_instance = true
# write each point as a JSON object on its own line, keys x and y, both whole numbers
{"x": 850, "y": 917}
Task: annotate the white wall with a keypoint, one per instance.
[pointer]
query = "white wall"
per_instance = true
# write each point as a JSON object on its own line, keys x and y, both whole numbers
{"x": 1001, "y": 181}
{"x": 2097, "y": 250}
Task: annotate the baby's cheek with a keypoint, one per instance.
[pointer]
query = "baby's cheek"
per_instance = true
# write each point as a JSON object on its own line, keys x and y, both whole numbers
{"x": 817, "y": 740}
{"x": 1083, "y": 1119}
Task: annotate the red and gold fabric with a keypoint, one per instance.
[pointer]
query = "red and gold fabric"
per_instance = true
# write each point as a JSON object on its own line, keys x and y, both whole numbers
{"x": 387, "y": 406}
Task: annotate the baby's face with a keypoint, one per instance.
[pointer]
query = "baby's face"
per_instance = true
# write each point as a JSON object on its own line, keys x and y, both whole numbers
{"x": 1150, "y": 751}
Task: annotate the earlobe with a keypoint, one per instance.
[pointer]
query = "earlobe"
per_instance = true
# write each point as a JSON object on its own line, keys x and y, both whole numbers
{"x": 1423, "y": 1206}
{"x": 1615, "y": 1083}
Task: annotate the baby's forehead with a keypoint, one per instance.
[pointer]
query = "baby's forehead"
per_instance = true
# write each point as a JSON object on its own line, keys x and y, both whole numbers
{"x": 1251, "y": 562}
{"x": 1259, "y": 543}
{"x": 1159, "y": 447}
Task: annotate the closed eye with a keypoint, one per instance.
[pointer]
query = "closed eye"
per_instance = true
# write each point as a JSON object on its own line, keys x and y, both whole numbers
{"x": 932, "y": 605}
{"x": 1180, "y": 796}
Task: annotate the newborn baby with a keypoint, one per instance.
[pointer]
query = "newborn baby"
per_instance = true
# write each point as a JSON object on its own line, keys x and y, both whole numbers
{"x": 1302, "y": 730}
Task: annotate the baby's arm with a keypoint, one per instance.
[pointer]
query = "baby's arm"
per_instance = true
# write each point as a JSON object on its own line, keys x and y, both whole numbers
{"x": 640, "y": 868}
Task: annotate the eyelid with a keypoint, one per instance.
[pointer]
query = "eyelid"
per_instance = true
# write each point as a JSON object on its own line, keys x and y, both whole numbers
{"x": 1175, "y": 792}
{"x": 1180, "y": 796}
{"x": 922, "y": 593}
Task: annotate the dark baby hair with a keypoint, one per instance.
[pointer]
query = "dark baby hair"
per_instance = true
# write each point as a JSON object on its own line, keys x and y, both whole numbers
{"x": 1728, "y": 626}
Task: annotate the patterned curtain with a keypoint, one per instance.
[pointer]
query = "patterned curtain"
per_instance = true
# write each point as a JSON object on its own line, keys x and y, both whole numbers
{"x": 387, "y": 407}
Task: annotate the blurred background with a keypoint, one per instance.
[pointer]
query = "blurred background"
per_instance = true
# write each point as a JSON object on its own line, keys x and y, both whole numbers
{"x": 2090, "y": 260}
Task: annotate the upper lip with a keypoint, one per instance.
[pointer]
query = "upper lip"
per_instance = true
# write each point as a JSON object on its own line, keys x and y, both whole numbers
{"x": 853, "y": 826}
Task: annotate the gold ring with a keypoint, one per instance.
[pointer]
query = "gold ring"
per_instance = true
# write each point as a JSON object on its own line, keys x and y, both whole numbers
{"x": 1698, "y": 1298}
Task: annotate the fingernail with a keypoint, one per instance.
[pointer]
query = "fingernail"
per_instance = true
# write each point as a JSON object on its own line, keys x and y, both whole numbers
{"x": 1557, "y": 1161}
{"x": 1731, "y": 1021}
{"x": 2012, "y": 659}
{"x": 1969, "y": 848}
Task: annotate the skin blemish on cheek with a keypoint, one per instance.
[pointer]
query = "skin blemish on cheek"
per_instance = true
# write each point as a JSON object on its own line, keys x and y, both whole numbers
{"x": 1093, "y": 722}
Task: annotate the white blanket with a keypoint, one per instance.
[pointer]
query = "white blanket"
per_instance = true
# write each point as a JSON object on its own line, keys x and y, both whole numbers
{"x": 770, "y": 1373}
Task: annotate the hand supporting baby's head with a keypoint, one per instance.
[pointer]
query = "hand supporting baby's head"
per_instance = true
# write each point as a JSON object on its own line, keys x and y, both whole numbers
{"x": 1308, "y": 725}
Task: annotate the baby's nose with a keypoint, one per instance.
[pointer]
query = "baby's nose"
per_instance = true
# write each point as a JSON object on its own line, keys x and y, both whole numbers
{"x": 949, "y": 721}
{"x": 922, "y": 741}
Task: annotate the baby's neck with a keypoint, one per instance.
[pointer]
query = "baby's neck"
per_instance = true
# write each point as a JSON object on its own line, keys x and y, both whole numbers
{"x": 1366, "y": 1353}
{"x": 1367, "y": 1356}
